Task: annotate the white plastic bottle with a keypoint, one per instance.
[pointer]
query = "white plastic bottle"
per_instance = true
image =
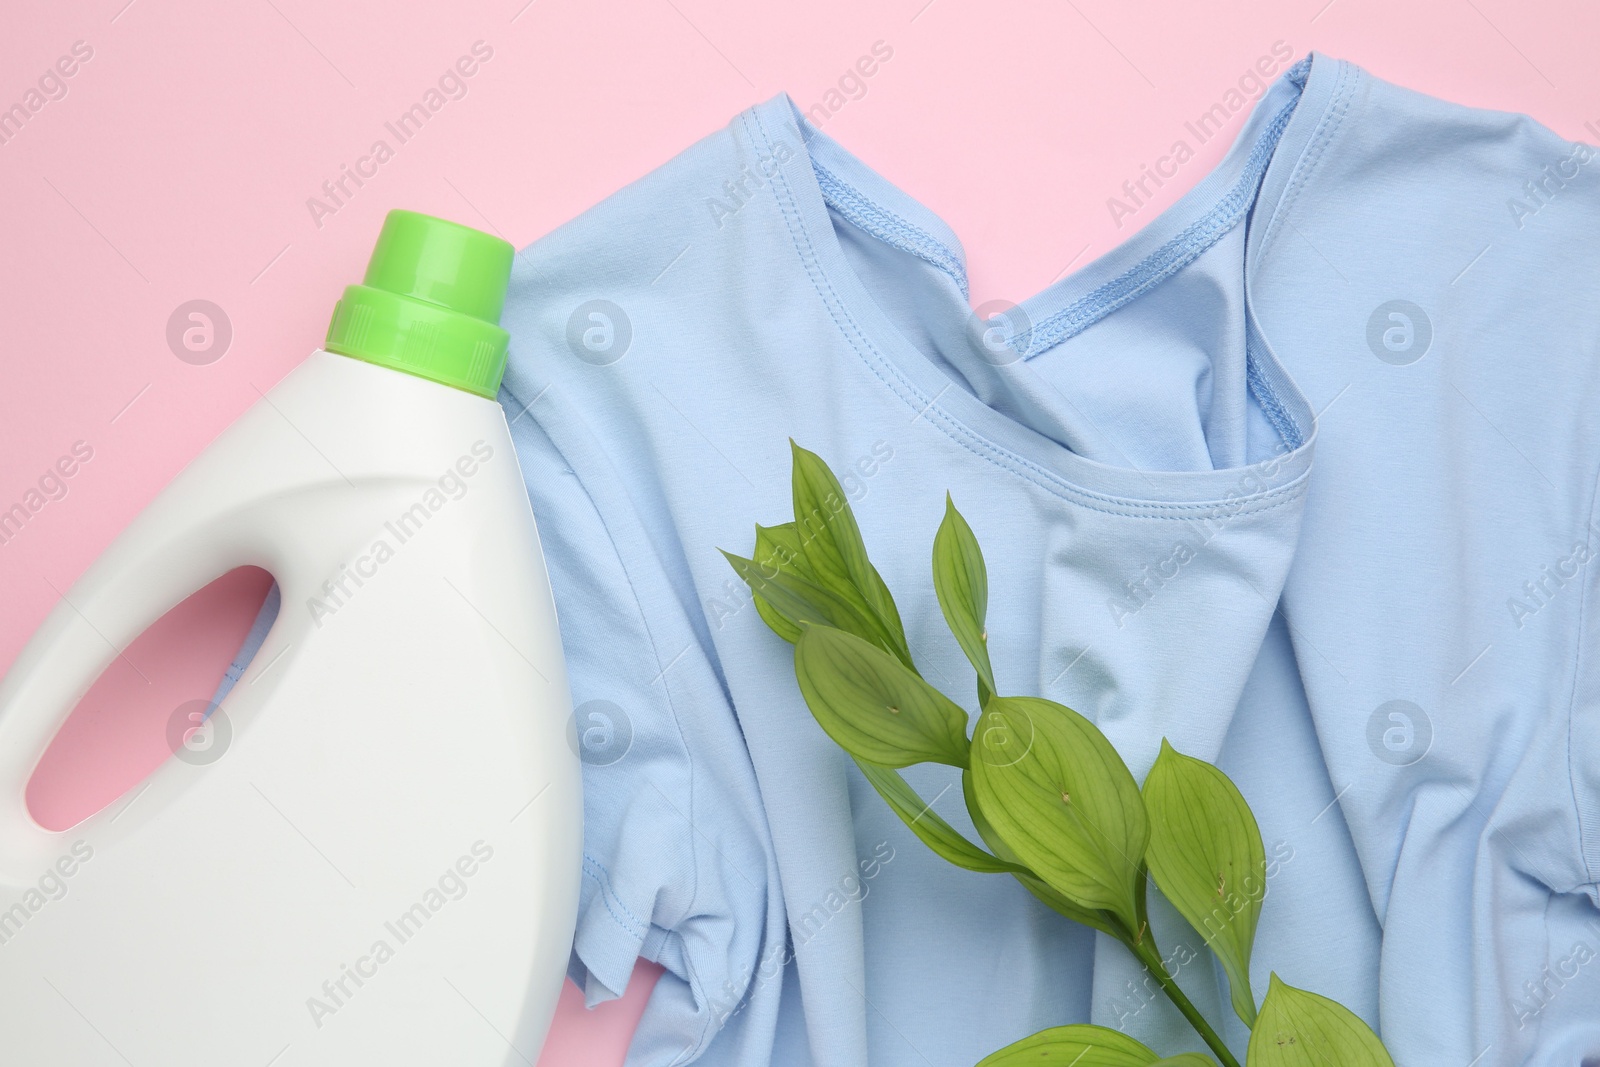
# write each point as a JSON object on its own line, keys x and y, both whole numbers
{"x": 376, "y": 859}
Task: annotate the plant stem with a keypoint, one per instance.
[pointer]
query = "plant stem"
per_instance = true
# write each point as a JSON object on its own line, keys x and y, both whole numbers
{"x": 1146, "y": 954}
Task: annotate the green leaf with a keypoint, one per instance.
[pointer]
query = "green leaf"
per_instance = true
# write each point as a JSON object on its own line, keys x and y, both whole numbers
{"x": 1058, "y": 794}
{"x": 831, "y": 542}
{"x": 1098, "y": 920}
{"x": 883, "y": 602}
{"x": 1206, "y": 856}
{"x": 780, "y": 546}
{"x": 1301, "y": 1029}
{"x": 944, "y": 839}
{"x": 1186, "y": 1059}
{"x": 962, "y": 584}
{"x": 827, "y": 527}
{"x": 796, "y": 600}
{"x": 778, "y": 549}
{"x": 1079, "y": 1045}
{"x": 873, "y": 706}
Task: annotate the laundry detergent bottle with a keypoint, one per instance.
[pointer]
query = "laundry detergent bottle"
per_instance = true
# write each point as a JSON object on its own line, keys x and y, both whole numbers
{"x": 374, "y": 856}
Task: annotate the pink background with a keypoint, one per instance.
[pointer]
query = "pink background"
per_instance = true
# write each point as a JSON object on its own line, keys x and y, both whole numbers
{"x": 179, "y": 162}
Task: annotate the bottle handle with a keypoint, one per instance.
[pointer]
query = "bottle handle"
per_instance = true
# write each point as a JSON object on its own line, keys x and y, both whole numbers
{"x": 167, "y": 553}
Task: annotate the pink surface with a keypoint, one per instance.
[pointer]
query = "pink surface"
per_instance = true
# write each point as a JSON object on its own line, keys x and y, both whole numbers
{"x": 179, "y": 159}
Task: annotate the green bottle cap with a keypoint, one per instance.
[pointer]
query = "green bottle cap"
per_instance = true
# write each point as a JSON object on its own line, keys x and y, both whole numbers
{"x": 429, "y": 304}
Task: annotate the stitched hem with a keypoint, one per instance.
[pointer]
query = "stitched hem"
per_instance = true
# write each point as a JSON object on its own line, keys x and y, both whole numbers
{"x": 1182, "y": 250}
{"x": 630, "y": 922}
{"x": 888, "y": 227}
{"x": 1340, "y": 96}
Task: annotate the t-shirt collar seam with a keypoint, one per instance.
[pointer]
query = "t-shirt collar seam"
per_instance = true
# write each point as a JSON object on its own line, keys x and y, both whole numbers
{"x": 963, "y": 435}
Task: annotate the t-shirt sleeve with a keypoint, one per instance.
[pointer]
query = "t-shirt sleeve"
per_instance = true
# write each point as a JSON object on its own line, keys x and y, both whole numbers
{"x": 678, "y": 865}
{"x": 1583, "y": 727}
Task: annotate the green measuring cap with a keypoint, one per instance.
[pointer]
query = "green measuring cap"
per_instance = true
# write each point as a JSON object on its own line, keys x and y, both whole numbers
{"x": 429, "y": 304}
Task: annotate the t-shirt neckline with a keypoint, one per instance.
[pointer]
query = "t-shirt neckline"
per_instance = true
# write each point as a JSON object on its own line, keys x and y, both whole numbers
{"x": 811, "y": 171}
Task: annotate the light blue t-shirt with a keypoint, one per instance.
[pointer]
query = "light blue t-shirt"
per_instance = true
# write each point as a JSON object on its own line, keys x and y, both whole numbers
{"x": 1389, "y": 646}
